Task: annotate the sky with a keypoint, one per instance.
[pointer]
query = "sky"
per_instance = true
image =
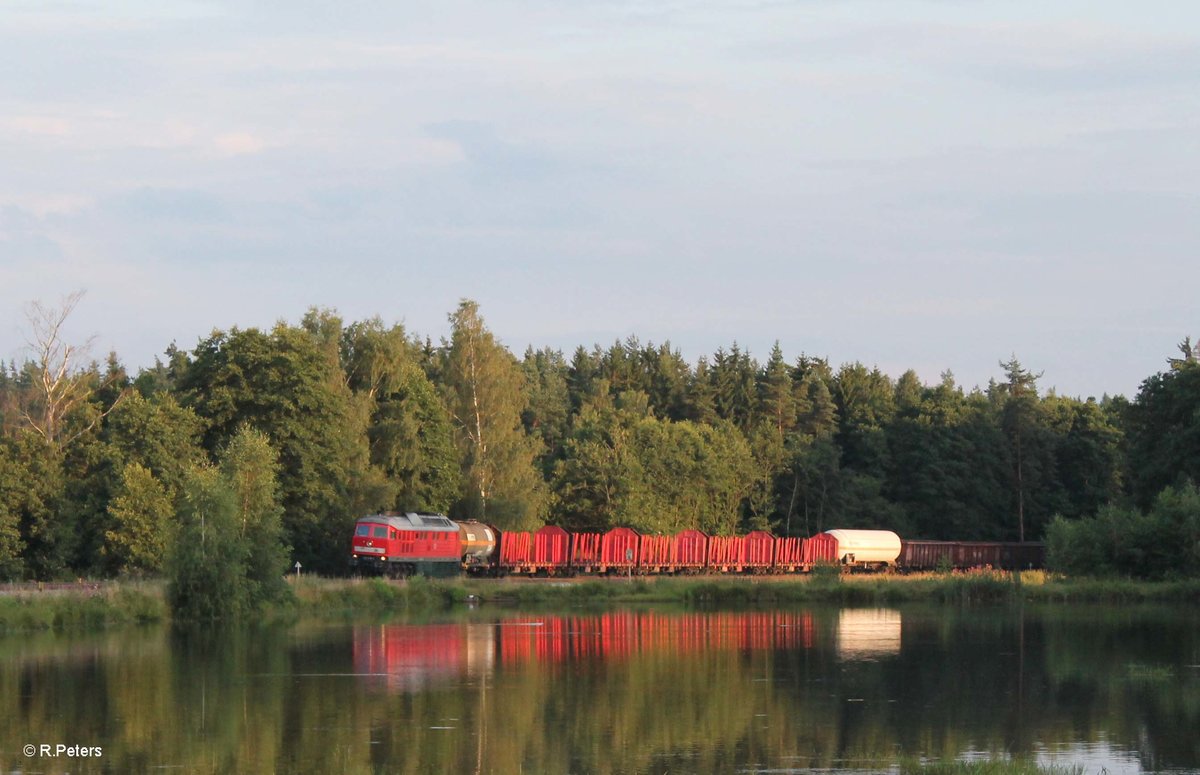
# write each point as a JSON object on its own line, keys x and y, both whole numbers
{"x": 933, "y": 185}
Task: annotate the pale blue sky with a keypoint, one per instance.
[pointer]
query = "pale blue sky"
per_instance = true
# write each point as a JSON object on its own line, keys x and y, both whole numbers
{"x": 933, "y": 185}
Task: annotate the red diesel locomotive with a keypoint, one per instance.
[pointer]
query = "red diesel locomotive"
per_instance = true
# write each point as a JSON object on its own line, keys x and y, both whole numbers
{"x": 406, "y": 544}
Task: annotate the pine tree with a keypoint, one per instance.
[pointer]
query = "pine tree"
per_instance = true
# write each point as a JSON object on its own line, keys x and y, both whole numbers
{"x": 776, "y": 395}
{"x": 701, "y": 399}
{"x": 1019, "y": 397}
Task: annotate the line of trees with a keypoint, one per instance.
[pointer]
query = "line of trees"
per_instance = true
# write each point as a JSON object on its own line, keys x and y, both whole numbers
{"x": 107, "y": 473}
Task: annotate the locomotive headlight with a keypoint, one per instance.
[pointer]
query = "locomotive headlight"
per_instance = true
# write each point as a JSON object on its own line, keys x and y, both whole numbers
{"x": 383, "y": 558}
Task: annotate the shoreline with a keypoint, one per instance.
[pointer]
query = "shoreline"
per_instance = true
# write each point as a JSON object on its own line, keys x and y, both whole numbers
{"x": 91, "y": 605}
{"x": 323, "y": 597}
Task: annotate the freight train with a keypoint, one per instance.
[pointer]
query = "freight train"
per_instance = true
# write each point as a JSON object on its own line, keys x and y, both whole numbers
{"x": 409, "y": 544}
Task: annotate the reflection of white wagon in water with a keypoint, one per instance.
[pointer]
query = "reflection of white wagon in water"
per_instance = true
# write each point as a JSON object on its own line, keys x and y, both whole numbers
{"x": 868, "y": 633}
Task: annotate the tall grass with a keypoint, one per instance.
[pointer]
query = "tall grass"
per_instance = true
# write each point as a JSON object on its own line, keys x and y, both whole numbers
{"x": 348, "y": 596}
{"x": 115, "y": 604}
{"x": 345, "y": 596}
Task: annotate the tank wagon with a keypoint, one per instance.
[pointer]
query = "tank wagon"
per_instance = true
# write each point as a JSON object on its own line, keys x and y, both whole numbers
{"x": 432, "y": 544}
{"x": 478, "y": 543}
{"x": 867, "y": 548}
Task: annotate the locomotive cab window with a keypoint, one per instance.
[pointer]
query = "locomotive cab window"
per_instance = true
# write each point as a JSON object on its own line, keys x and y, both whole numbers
{"x": 380, "y": 532}
{"x": 363, "y": 530}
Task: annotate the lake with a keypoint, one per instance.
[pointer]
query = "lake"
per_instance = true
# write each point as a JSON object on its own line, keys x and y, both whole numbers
{"x": 650, "y": 690}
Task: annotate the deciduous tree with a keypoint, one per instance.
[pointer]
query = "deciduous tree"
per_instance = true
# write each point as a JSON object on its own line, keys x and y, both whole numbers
{"x": 484, "y": 392}
{"x": 140, "y": 513}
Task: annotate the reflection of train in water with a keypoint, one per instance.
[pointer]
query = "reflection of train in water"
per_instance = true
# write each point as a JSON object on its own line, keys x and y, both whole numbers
{"x": 400, "y": 658}
{"x": 434, "y": 545}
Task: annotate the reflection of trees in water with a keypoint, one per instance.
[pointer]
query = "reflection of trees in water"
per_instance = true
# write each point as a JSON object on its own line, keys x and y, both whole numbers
{"x": 1137, "y": 670}
{"x": 631, "y": 692}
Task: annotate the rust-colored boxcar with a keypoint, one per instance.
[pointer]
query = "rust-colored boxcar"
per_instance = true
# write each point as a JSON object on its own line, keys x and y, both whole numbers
{"x": 931, "y": 555}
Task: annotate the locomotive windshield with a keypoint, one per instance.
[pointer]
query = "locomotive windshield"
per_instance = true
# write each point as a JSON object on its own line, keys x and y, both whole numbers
{"x": 363, "y": 530}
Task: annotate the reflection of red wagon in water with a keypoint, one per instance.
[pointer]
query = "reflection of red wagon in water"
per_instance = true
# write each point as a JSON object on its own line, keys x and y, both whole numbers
{"x": 407, "y": 657}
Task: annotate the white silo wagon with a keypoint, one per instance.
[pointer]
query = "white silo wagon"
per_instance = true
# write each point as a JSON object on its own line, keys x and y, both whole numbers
{"x": 867, "y": 548}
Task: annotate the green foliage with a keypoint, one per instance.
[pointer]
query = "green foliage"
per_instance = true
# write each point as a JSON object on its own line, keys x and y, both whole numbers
{"x": 31, "y": 499}
{"x": 141, "y": 513}
{"x": 547, "y": 411}
{"x": 409, "y": 431}
{"x": 1162, "y": 542}
{"x": 156, "y": 433}
{"x": 208, "y": 555}
{"x": 249, "y": 466}
{"x": 412, "y": 441}
{"x": 624, "y": 467}
{"x": 228, "y": 557}
{"x": 1163, "y": 427}
{"x": 12, "y": 508}
{"x": 289, "y": 384}
{"x": 11, "y": 546}
{"x": 732, "y": 378}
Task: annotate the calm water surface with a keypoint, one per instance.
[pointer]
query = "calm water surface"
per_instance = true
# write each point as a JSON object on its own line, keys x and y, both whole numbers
{"x": 631, "y": 691}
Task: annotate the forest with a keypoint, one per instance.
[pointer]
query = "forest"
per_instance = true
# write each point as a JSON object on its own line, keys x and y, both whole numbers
{"x": 292, "y": 433}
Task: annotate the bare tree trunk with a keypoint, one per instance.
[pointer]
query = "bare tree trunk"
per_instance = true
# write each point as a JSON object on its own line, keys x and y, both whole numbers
{"x": 480, "y": 446}
{"x": 792, "y": 504}
{"x": 62, "y": 385}
{"x": 1020, "y": 492}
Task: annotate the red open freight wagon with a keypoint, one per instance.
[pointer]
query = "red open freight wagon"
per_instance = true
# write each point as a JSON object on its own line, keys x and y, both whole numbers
{"x": 546, "y": 550}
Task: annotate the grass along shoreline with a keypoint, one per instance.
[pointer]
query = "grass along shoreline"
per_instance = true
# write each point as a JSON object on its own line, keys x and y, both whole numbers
{"x": 82, "y": 606}
{"x": 96, "y": 605}
{"x": 318, "y": 596}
